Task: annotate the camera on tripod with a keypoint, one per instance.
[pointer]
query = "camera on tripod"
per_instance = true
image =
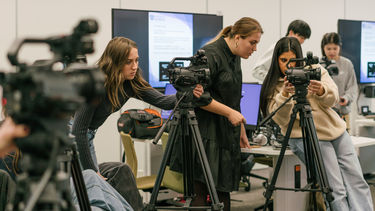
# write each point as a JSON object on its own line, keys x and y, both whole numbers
{"x": 40, "y": 90}
{"x": 301, "y": 75}
{"x": 330, "y": 65}
{"x": 185, "y": 78}
{"x": 44, "y": 97}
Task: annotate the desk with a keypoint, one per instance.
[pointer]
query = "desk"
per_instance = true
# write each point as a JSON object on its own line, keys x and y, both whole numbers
{"x": 149, "y": 156}
{"x": 362, "y": 123}
{"x": 288, "y": 200}
{"x": 285, "y": 200}
{"x": 365, "y": 148}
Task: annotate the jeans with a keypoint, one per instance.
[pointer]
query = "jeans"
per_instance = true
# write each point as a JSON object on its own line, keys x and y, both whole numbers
{"x": 101, "y": 194}
{"x": 344, "y": 173}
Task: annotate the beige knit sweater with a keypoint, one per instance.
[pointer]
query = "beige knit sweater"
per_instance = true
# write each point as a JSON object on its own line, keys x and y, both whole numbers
{"x": 328, "y": 124}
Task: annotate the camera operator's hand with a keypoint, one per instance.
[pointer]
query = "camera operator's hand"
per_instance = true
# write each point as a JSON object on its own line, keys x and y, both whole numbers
{"x": 198, "y": 91}
{"x": 287, "y": 88}
{"x": 235, "y": 117}
{"x": 343, "y": 101}
{"x": 8, "y": 131}
{"x": 315, "y": 87}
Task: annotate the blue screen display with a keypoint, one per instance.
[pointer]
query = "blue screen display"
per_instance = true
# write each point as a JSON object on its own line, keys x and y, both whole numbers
{"x": 249, "y": 102}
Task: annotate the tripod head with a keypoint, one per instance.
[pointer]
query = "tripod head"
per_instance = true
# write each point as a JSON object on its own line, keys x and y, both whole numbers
{"x": 184, "y": 101}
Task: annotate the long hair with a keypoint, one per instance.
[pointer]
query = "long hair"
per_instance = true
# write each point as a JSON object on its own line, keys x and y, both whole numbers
{"x": 328, "y": 38}
{"x": 244, "y": 27}
{"x": 285, "y": 44}
{"x": 112, "y": 62}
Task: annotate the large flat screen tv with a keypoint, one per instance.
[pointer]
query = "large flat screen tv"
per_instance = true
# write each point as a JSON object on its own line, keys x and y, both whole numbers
{"x": 358, "y": 45}
{"x": 161, "y": 36}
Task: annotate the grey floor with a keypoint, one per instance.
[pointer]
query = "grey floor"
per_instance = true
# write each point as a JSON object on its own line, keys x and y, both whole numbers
{"x": 249, "y": 200}
{"x": 243, "y": 200}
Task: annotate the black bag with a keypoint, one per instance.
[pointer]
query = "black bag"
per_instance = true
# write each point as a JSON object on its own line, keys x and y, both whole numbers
{"x": 140, "y": 123}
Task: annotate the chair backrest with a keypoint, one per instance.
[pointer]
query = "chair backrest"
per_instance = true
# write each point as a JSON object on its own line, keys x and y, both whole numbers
{"x": 130, "y": 154}
{"x": 172, "y": 180}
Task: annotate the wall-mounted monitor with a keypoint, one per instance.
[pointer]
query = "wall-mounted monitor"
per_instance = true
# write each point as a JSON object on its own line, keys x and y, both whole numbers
{"x": 161, "y": 36}
{"x": 358, "y": 45}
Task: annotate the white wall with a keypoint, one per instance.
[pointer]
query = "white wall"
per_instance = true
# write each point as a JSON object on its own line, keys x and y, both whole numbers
{"x": 43, "y": 18}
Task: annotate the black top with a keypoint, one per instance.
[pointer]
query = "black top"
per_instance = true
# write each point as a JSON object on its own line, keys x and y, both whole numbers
{"x": 225, "y": 87}
{"x": 92, "y": 117}
{"x": 221, "y": 140}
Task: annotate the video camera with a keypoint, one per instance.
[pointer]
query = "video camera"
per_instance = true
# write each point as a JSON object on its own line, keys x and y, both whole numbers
{"x": 39, "y": 94}
{"x": 300, "y": 76}
{"x": 185, "y": 78}
{"x": 330, "y": 65}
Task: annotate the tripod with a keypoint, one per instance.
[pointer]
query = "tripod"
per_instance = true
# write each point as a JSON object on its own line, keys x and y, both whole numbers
{"x": 315, "y": 169}
{"x": 45, "y": 186}
{"x": 185, "y": 124}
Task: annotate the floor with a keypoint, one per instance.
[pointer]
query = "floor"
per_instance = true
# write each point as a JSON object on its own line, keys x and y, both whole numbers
{"x": 249, "y": 200}
{"x": 243, "y": 200}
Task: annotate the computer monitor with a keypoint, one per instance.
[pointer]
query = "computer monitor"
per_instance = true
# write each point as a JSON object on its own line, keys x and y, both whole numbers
{"x": 169, "y": 90}
{"x": 250, "y": 103}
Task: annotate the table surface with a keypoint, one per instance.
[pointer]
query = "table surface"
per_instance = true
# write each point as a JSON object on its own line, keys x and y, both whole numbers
{"x": 358, "y": 142}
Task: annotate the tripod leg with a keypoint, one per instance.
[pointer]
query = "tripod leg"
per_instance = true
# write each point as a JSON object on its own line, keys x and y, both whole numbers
{"x": 322, "y": 174}
{"x": 166, "y": 156}
{"x": 79, "y": 184}
{"x": 271, "y": 186}
{"x": 216, "y": 205}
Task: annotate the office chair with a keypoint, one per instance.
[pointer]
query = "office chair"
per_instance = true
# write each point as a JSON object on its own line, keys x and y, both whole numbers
{"x": 145, "y": 183}
{"x": 172, "y": 180}
{"x": 247, "y": 163}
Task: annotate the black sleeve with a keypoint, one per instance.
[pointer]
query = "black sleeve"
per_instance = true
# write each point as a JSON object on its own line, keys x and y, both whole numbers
{"x": 82, "y": 119}
{"x": 155, "y": 98}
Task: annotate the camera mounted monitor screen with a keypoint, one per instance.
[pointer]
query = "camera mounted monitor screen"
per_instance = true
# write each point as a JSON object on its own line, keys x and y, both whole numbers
{"x": 358, "y": 41}
{"x": 162, "y": 36}
{"x": 249, "y": 102}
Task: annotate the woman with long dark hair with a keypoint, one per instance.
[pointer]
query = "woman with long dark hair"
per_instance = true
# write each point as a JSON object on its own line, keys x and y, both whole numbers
{"x": 350, "y": 190}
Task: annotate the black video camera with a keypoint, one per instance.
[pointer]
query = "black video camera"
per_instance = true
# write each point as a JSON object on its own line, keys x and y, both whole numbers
{"x": 185, "y": 78}
{"x": 300, "y": 76}
{"x": 330, "y": 65}
{"x": 39, "y": 95}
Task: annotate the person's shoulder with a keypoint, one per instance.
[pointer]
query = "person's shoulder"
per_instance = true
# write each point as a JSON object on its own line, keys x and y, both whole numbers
{"x": 345, "y": 60}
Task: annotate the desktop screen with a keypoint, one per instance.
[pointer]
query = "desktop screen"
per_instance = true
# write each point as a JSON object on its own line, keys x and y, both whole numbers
{"x": 249, "y": 102}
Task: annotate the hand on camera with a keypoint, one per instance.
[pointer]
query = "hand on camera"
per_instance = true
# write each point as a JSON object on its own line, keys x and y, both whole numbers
{"x": 9, "y": 131}
{"x": 236, "y": 118}
{"x": 287, "y": 88}
{"x": 315, "y": 87}
{"x": 198, "y": 91}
